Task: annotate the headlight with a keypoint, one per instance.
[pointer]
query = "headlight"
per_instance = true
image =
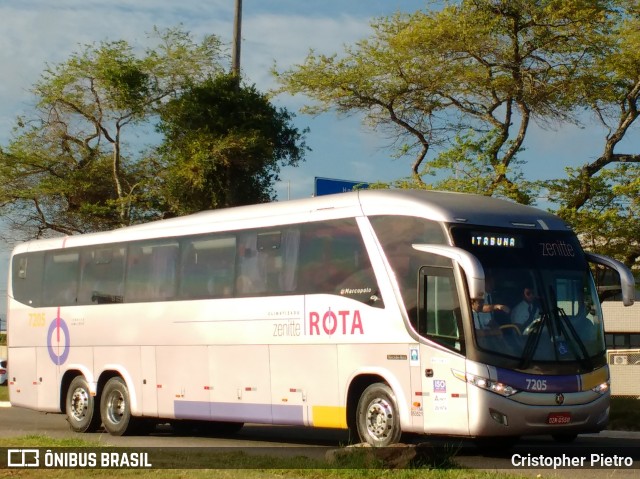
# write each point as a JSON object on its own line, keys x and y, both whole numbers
{"x": 601, "y": 388}
{"x": 484, "y": 383}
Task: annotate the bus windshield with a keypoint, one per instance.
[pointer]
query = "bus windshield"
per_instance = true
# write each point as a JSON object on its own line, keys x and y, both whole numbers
{"x": 540, "y": 302}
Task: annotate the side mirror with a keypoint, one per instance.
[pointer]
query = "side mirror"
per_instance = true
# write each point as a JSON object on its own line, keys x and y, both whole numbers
{"x": 627, "y": 281}
{"x": 468, "y": 262}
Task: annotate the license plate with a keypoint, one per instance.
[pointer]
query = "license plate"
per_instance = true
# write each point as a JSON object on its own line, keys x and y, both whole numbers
{"x": 559, "y": 418}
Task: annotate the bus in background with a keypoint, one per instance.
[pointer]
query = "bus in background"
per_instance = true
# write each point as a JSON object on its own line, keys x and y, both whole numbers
{"x": 379, "y": 311}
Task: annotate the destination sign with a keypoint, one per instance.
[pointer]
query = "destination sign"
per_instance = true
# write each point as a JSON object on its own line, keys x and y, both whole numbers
{"x": 495, "y": 240}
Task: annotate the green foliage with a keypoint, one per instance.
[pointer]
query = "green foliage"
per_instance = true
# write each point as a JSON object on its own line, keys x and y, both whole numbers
{"x": 68, "y": 168}
{"x": 625, "y": 414}
{"x": 466, "y": 79}
{"x": 600, "y": 199}
{"x": 609, "y": 221}
{"x": 468, "y": 167}
{"x": 224, "y": 146}
{"x": 473, "y": 68}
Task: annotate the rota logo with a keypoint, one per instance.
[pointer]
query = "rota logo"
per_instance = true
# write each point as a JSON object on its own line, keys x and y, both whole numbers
{"x": 344, "y": 322}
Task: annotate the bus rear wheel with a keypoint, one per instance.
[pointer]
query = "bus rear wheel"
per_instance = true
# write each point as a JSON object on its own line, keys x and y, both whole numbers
{"x": 377, "y": 419}
{"x": 115, "y": 407}
{"x": 82, "y": 407}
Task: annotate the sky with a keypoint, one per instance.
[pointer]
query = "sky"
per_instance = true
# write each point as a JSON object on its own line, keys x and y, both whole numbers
{"x": 37, "y": 33}
{"x": 276, "y": 32}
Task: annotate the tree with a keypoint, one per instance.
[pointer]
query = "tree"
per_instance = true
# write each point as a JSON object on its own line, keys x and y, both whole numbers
{"x": 224, "y": 144}
{"x": 469, "y": 78}
{"x": 601, "y": 199}
{"x": 483, "y": 66}
{"x": 68, "y": 168}
{"x": 609, "y": 220}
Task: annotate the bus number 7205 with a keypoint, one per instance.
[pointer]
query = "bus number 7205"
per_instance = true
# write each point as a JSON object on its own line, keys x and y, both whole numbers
{"x": 537, "y": 384}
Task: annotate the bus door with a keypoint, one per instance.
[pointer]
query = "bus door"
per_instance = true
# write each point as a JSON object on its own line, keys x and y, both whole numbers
{"x": 439, "y": 322}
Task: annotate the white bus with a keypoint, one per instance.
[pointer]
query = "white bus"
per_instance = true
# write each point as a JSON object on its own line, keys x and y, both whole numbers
{"x": 344, "y": 311}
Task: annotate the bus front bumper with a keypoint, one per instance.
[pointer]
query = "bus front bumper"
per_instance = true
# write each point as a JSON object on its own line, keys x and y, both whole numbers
{"x": 531, "y": 414}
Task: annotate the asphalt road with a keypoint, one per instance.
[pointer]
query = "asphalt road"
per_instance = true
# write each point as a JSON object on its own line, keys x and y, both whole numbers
{"x": 607, "y": 446}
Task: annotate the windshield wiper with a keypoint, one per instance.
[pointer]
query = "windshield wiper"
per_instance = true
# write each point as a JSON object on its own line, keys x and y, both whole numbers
{"x": 533, "y": 339}
{"x": 563, "y": 324}
{"x": 564, "y": 330}
{"x": 585, "y": 360}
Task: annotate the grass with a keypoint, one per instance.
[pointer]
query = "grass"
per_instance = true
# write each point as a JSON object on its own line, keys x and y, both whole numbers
{"x": 625, "y": 414}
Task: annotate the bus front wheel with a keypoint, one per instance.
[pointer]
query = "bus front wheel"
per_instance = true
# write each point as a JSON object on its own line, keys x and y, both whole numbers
{"x": 115, "y": 407}
{"x": 377, "y": 416}
{"x": 82, "y": 407}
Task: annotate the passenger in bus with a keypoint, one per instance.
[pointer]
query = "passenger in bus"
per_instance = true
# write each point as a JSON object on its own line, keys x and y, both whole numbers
{"x": 527, "y": 310}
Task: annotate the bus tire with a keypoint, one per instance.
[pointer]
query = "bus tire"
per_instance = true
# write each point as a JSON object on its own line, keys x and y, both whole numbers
{"x": 82, "y": 408}
{"x": 115, "y": 407}
{"x": 377, "y": 418}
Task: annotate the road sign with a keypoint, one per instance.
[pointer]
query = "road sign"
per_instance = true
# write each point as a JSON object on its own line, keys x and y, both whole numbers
{"x": 329, "y": 186}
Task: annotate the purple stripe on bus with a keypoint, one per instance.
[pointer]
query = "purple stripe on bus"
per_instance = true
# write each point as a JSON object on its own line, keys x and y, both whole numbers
{"x": 192, "y": 410}
{"x": 539, "y": 383}
{"x": 291, "y": 415}
{"x": 258, "y": 413}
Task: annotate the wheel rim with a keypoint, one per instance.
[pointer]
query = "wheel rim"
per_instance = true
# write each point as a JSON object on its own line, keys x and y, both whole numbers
{"x": 115, "y": 407}
{"x": 380, "y": 419}
{"x": 79, "y": 404}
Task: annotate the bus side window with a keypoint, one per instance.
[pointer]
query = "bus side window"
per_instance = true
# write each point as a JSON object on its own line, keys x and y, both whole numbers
{"x": 397, "y": 234}
{"x": 268, "y": 261}
{"x": 152, "y": 271}
{"x": 334, "y": 261}
{"x": 208, "y": 267}
{"x": 28, "y": 270}
{"x": 60, "y": 278}
{"x": 290, "y": 253}
{"x": 439, "y": 316}
{"x": 251, "y": 278}
{"x": 102, "y": 275}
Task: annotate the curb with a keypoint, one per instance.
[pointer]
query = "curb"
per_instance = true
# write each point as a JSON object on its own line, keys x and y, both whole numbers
{"x": 5, "y": 404}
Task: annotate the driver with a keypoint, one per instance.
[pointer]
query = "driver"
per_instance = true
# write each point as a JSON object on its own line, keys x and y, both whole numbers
{"x": 527, "y": 310}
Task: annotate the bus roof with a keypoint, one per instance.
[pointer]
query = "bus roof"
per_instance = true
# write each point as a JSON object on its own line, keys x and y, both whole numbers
{"x": 440, "y": 206}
